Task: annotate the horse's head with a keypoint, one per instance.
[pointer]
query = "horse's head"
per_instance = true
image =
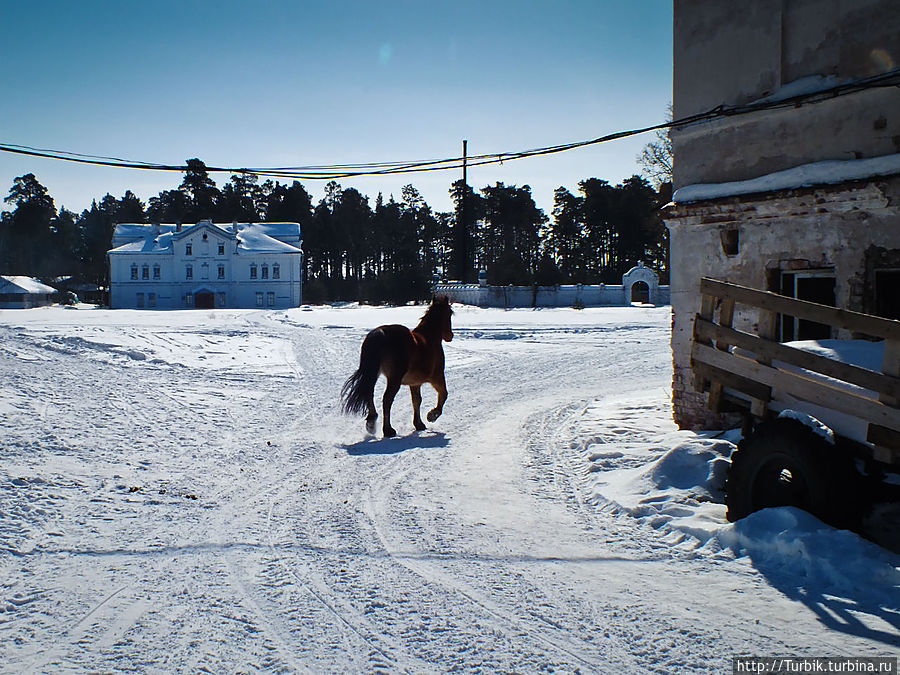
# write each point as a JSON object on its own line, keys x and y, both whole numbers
{"x": 440, "y": 304}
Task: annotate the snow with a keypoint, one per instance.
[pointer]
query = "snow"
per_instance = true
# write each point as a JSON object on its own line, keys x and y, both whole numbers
{"x": 23, "y": 285}
{"x": 251, "y": 237}
{"x": 261, "y": 238}
{"x": 810, "y": 422}
{"x": 179, "y": 493}
{"x": 811, "y": 84}
{"x": 827, "y": 172}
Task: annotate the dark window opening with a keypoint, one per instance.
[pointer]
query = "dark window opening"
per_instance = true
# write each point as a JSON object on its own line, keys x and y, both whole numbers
{"x": 887, "y": 293}
{"x": 811, "y": 286}
{"x": 730, "y": 241}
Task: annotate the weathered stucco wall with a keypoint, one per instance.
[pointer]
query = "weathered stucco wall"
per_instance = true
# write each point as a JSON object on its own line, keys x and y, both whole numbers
{"x": 837, "y": 227}
{"x": 732, "y": 54}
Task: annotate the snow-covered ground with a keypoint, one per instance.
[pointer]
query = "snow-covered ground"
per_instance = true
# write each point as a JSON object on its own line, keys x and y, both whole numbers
{"x": 179, "y": 493}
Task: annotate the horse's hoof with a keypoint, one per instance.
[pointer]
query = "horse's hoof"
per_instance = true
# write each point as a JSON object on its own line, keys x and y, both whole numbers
{"x": 433, "y": 415}
{"x": 420, "y": 426}
{"x": 370, "y": 426}
{"x": 389, "y": 432}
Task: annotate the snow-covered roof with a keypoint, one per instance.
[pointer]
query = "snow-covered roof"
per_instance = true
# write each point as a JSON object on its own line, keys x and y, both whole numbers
{"x": 251, "y": 237}
{"x": 828, "y": 172}
{"x": 260, "y": 238}
{"x": 24, "y": 286}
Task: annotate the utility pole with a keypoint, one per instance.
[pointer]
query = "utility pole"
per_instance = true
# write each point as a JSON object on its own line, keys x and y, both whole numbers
{"x": 463, "y": 241}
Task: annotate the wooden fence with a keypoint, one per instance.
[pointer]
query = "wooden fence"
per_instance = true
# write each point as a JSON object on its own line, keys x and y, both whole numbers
{"x": 763, "y": 369}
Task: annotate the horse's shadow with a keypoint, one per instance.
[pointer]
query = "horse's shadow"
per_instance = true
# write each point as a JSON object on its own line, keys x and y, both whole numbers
{"x": 397, "y": 444}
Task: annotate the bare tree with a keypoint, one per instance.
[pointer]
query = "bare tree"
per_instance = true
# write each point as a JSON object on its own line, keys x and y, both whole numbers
{"x": 656, "y": 157}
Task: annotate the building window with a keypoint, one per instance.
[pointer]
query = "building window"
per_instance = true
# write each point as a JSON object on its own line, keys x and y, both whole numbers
{"x": 265, "y": 271}
{"x": 188, "y": 249}
{"x": 140, "y": 300}
{"x": 887, "y": 302}
{"x": 259, "y": 299}
{"x": 188, "y": 272}
{"x": 151, "y": 299}
{"x": 221, "y": 249}
{"x": 134, "y": 272}
{"x": 276, "y": 271}
{"x": 221, "y": 272}
{"x": 156, "y": 272}
{"x": 145, "y": 272}
{"x": 252, "y": 271}
{"x": 220, "y": 298}
{"x": 814, "y": 286}
{"x": 270, "y": 299}
{"x": 204, "y": 271}
{"x": 188, "y": 299}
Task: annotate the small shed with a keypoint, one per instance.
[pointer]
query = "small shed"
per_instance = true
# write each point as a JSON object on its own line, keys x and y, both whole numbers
{"x": 24, "y": 292}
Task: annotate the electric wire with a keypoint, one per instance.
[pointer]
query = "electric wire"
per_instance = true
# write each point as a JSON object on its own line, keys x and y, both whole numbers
{"x": 341, "y": 171}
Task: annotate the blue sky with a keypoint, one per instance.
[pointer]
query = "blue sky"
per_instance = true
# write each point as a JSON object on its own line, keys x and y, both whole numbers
{"x": 275, "y": 83}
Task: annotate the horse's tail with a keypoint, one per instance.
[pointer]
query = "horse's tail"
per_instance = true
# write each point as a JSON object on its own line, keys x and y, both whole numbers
{"x": 359, "y": 388}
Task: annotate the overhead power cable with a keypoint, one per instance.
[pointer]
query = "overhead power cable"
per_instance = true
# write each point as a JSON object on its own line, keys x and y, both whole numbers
{"x": 340, "y": 171}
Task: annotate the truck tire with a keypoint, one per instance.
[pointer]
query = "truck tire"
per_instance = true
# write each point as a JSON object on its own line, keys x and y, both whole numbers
{"x": 784, "y": 463}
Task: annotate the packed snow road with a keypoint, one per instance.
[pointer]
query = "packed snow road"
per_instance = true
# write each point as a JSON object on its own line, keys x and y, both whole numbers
{"x": 179, "y": 493}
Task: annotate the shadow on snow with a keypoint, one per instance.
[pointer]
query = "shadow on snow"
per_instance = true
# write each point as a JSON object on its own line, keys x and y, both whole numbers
{"x": 397, "y": 444}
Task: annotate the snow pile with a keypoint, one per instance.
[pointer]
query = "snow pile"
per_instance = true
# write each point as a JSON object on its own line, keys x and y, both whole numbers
{"x": 674, "y": 481}
{"x": 800, "y": 545}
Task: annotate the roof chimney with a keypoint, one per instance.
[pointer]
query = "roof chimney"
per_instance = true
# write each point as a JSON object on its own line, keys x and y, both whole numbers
{"x": 178, "y": 226}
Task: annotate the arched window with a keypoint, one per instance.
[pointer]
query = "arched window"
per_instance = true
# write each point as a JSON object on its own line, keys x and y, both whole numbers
{"x": 189, "y": 272}
{"x": 276, "y": 271}
{"x": 253, "y": 271}
{"x": 156, "y": 272}
{"x": 134, "y": 271}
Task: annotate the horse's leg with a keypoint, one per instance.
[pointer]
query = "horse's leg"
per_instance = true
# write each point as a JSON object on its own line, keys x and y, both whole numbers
{"x": 415, "y": 391}
{"x": 393, "y": 386}
{"x": 371, "y": 415}
{"x": 440, "y": 386}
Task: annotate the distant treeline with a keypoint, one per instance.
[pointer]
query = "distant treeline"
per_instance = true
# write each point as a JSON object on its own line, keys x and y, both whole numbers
{"x": 353, "y": 251}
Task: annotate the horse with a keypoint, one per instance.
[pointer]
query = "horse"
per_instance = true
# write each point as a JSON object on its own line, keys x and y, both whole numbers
{"x": 403, "y": 356}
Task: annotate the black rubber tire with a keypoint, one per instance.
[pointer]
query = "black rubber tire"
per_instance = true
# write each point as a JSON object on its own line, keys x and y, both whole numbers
{"x": 784, "y": 463}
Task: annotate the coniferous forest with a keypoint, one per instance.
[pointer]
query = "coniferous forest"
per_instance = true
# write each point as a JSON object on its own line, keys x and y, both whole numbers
{"x": 388, "y": 251}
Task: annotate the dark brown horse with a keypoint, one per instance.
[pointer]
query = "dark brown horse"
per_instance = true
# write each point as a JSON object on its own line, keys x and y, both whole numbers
{"x": 410, "y": 357}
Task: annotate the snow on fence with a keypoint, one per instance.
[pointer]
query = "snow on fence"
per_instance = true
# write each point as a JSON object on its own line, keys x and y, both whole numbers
{"x": 639, "y": 284}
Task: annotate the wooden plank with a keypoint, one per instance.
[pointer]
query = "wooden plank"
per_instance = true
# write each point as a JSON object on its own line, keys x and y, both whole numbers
{"x": 726, "y": 318}
{"x": 890, "y": 367}
{"x": 887, "y": 441}
{"x": 767, "y": 327}
{"x": 885, "y": 437}
{"x": 847, "y": 372}
{"x": 802, "y": 309}
{"x": 736, "y": 382}
{"x": 801, "y": 387}
{"x": 707, "y": 310}
{"x": 707, "y": 306}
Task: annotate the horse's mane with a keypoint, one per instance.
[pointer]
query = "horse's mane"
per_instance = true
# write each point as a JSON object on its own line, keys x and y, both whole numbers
{"x": 435, "y": 314}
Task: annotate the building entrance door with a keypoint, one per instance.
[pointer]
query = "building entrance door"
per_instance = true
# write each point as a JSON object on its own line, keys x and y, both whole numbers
{"x": 204, "y": 300}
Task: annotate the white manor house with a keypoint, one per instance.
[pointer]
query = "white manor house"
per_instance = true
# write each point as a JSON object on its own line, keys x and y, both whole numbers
{"x": 205, "y": 266}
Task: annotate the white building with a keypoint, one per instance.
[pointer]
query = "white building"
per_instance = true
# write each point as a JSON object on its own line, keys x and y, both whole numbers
{"x": 24, "y": 293}
{"x": 205, "y": 266}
